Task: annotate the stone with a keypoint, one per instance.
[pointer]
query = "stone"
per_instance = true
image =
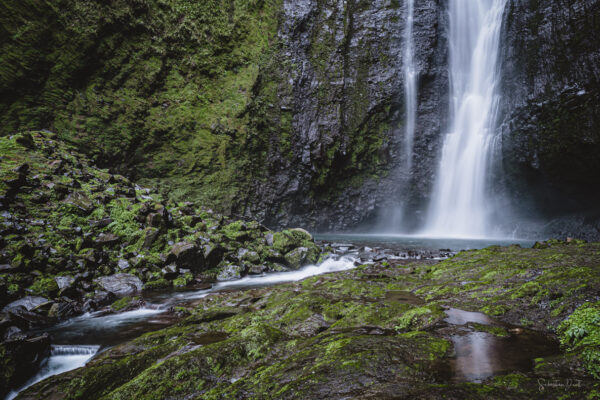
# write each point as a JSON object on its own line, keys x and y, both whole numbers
{"x": 27, "y": 355}
{"x": 64, "y": 282}
{"x": 213, "y": 255}
{"x": 230, "y": 272}
{"x": 187, "y": 255}
{"x": 170, "y": 272}
{"x": 150, "y": 236}
{"x": 257, "y": 269}
{"x": 154, "y": 220}
{"x": 64, "y": 310}
{"x": 107, "y": 239}
{"x": 296, "y": 258}
{"x": 102, "y": 223}
{"x": 79, "y": 200}
{"x": 123, "y": 264}
{"x": 26, "y": 140}
{"x": 13, "y": 333}
{"x": 120, "y": 284}
{"x": 28, "y": 302}
{"x": 251, "y": 257}
{"x": 5, "y": 267}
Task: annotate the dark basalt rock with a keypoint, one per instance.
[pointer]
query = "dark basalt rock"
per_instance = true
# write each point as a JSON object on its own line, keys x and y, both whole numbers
{"x": 22, "y": 356}
{"x": 551, "y": 112}
{"x": 344, "y": 97}
{"x": 188, "y": 256}
{"x": 28, "y": 302}
{"x": 120, "y": 284}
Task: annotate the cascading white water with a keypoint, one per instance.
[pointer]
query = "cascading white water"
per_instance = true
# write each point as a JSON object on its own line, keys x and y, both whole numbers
{"x": 63, "y": 358}
{"x": 410, "y": 84}
{"x": 460, "y": 206}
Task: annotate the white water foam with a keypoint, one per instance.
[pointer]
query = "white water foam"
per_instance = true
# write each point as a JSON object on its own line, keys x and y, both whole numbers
{"x": 63, "y": 358}
{"x": 460, "y": 205}
{"x": 91, "y": 320}
{"x": 327, "y": 266}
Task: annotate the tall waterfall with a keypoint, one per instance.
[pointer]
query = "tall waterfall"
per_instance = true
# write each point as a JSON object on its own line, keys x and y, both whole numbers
{"x": 460, "y": 206}
{"x": 410, "y": 84}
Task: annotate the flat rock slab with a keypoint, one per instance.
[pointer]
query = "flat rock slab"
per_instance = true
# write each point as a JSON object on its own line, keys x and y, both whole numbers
{"x": 120, "y": 284}
{"x": 29, "y": 302}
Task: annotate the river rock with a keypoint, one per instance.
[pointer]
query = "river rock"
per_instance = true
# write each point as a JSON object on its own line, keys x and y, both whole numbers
{"x": 296, "y": 258}
{"x": 213, "y": 254}
{"x": 120, "y": 284}
{"x": 28, "y": 302}
{"x": 187, "y": 256}
{"x": 230, "y": 272}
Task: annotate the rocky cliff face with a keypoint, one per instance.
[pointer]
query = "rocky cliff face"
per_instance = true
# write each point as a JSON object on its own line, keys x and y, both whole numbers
{"x": 340, "y": 157}
{"x": 551, "y": 110}
{"x": 292, "y": 111}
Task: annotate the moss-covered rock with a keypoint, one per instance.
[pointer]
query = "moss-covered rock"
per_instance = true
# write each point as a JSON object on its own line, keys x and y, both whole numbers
{"x": 62, "y": 216}
{"x": 361, "y": 334}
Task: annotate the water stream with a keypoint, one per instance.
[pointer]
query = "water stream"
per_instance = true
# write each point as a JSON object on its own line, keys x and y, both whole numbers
{"x": 460, "y": 206}
{"x": 73, "y": 337}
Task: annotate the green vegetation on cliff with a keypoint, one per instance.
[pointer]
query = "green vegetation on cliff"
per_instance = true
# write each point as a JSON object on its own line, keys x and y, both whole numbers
{"x": 160, "y": 86}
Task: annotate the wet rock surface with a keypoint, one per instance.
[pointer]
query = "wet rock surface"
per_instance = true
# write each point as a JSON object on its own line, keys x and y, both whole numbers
{"x": 550, "y": 113}
{"x": 375, "y": 332}
{"x": 341, "y": 86}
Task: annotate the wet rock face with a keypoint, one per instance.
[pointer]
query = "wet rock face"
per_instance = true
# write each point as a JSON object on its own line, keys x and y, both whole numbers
{"x": 551, "y": 104}
{"x": 337, "y": 153}
{"x": 120, "y": 284}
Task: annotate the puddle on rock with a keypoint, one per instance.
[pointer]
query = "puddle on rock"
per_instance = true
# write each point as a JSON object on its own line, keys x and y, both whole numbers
{"x": 460, "y": 317}
{"x": 403, "y": 297}
{"x": 481, "y": 355}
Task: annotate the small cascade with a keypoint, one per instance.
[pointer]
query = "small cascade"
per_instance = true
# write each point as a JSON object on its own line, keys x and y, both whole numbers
{"x": 70, "y": 350}
{"x": 410, "y": 84}
{"x": 63, "y": 358}
{"x": 460, "y": 206}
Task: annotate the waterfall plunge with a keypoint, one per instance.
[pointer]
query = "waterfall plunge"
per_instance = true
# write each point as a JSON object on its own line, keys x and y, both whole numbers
{"x": 410, "y": 84}
{"x": 460, "y": 206}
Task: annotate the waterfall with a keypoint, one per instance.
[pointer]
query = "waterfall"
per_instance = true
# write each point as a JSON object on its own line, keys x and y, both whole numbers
{"x": 410, "y": 84}
{"x": 460, "y": 206}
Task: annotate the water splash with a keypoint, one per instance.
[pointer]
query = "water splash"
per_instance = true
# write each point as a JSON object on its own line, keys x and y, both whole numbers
{"x": 63, "y": 358}
{"x": 460, "y": 206}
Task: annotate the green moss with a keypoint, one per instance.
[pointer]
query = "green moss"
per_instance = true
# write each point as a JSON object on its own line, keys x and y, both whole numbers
{"x": 157, "y": 284}
{"x": 235, "y": 230}
{"x": 44, "y": 286}
{"x": 123, "y": 302}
